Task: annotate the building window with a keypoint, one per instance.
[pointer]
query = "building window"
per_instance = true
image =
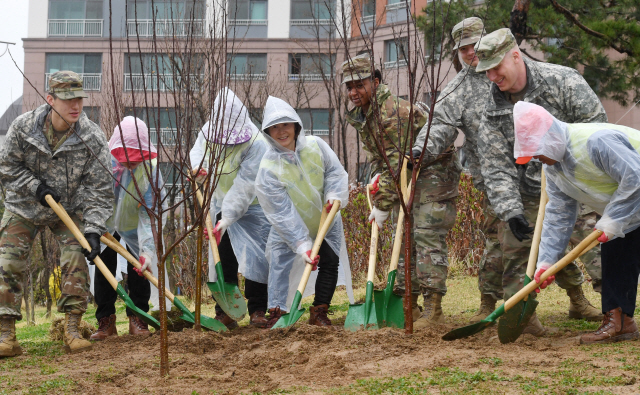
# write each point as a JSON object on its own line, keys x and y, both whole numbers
{"x": 161, "y": 122}
{"x": 315, "y": 121}
{"x": 398, "y": 4}
{"x": 310, "y": 67}
{"x": 170, "y": 18}
{"x": 395, "y": 52}
{"x": 89, "y": 66}
{"x": 247, "y": 66}
{"x": 312, "y": 10}
{"x": 248, "y": 10}
{"x": 368, "y": 11}
{"x": 164, "y": 72}
{"x": 75, "y": 18}
{"x": 93, "y": 113}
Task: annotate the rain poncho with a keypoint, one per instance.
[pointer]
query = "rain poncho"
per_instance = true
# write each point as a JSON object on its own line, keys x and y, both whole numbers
{"x": 292, "y": 187}
{"x": 597, "y": 164}
{"x": 130, "y": 219}
{"x": 238, "y": 155}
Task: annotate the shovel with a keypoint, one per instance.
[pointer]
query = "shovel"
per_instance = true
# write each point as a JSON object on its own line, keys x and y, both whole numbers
{"x": 389, "y": 309}
{"x": 588, "y": 243}
{"x": 206, "y": 322}
{"x": 62, "y": 213}
{"x": 228, "y": 296}
{"x": 514, "y": 321}
{"x": 287, "y": 320}
{"x": 363, "y": 316}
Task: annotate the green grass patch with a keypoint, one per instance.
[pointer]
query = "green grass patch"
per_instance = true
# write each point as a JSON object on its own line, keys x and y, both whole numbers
{"x": 61, "y": 384}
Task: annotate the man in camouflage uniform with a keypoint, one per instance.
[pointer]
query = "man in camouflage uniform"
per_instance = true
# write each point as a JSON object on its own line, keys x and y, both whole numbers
{"x": 514, "y": 190}
{"x": 54, "y": 150}
{"x": 380, "y": 115}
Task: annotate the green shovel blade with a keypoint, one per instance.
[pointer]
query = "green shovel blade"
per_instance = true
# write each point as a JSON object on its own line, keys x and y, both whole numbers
{"x": 228, "y": 296}
{"x": 362, "y": 316}
{"x": 206, "y": 322}
{"x": 389, "y": 309}
{"x": 292, "y": 317}
{"x": 139, "y": 313}
{"x": 472, "y": 329}
{"x": 512, "y": 324}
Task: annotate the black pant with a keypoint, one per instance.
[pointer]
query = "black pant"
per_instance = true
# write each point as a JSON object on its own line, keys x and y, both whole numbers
{"x": 327, "y": 275}
{"x": 620, "y": 269}
{"x": 106, "y": 296}
{"x": 256, "y": 293}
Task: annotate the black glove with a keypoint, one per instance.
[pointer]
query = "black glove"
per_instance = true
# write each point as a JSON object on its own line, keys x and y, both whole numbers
{"x": 415, "y": 154}
{"x": 520, "y": 227}
{"x": 94, "y": 242}
{"x": 44, "y": 190}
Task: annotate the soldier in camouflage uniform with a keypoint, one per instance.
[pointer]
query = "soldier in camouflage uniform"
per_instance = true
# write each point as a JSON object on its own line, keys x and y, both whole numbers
{"x": 514, "y": 190}
{"x": 53, "y": 150}
{"x": 379, "y": 114}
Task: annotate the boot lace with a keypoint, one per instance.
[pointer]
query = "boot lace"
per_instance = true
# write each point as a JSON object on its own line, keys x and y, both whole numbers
{"x": 139, "y": 323}
{"x": 321, "y": 315}
{"x": 72, "y": 325}
{"x": 274, "y": 316}
{"x": 5, "y": 328}
{"x": 607, "y": 323}
{"x": 103, "y": 324}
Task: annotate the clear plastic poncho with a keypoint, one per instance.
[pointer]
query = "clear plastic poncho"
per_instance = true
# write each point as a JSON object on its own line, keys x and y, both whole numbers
{"x": 597, "y": 164}
{"x": 292, "y": 187}
{"x": 238, "y": 159}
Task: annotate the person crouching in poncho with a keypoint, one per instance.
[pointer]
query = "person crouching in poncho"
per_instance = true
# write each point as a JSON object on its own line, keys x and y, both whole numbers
{"x": 297, "y": 175}
{"x": 597, "y": 164}
{"x": 231, "y": 139}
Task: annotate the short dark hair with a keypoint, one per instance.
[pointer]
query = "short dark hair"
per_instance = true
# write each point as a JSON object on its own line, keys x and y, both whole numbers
{"x": 377, "y": 74}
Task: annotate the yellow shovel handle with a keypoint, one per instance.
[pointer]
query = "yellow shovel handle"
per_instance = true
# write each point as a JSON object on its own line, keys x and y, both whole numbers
{"x": 397, "y": 241}
{"x": 373, "y": 249}
{"x": 209, "y": 225}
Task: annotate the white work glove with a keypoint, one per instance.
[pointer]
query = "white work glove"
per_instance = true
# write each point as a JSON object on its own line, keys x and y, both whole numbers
{"x": 541, "y": 268}
{"x": 145, "y": 261}
{"x": 219, "y": 230}
{"x": 200, "y": 174}
{"x": 379, "y": 216}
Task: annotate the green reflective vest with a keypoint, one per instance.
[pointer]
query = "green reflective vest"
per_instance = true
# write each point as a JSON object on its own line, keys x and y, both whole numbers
{"x": 127, "y": 211}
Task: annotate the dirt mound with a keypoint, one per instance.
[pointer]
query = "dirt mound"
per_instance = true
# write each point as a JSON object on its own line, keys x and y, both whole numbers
{"x": 56, "y": 332}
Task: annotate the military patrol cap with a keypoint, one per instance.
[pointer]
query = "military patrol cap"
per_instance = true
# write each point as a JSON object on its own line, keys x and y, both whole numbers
{"x": 66, "y": 85}
{"x": 469, "y": 31}
{"x": 492, "y": 48}
{"x": 356, "y": 68}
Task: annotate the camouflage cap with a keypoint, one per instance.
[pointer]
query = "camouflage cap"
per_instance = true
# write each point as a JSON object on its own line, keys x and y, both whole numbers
{"x": 66, "y": 85}
{"x": 469, "y": 31}
{"x": 356, "y": 68}
{"x": 492, "y": 48}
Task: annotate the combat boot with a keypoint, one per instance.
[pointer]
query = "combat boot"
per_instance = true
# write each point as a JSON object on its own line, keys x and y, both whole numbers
{"x": 73, "y": 341}
{"x": 432, "y": 314}
{"x": 274, "y": 316}
{"x": 9, "y": 346}
{"x": 534, "y": 327}
{"x": 616, "y": 326}
{"x": 138, "y": 327}
{"x": 416, "y": 311}
{"x": 487, "y": 306}
{"x": 580, "y": 308}
{"x": 106, "y": 328}
{"x": 258, "y": 319}
{"x": 318, "y": 315}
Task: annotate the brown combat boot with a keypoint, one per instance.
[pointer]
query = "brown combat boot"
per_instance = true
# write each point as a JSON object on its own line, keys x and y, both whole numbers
{"x": 137, "y": 326}
{"x": 432, "y": 311}
{"x": 9, "y": 346}
{"x": 106, "y": 328}
{"x": 227, "y": 321}
{"x": 258, "y": 319}
{"x": 318, "y": 315}
{"x": 487, "y": 306}
{"x": 73, "y": 340}
{"x": 274, "y": 316}
{"x": 580, "y": 308}
{"x": 416, "y": 310}
{"x": 534, "y": 327}
{"x": 616, "y": 326}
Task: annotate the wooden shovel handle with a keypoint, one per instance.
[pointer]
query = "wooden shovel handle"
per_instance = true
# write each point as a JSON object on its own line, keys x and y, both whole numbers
{"x": 209, "y": 225}
{"x": 585, "y": 245}
{"x": 397, "y": 241}
{"x": 62, "y": 213}
{"x": 373, "y": 249}
{"x": 537, "y": 233}
{"x": 324, "y": 228}
{"x": 115, "y": 245}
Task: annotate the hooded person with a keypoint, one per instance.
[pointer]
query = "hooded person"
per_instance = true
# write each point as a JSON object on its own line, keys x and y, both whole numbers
{"x": 297, "y": 175}
{"x": 236, "y": 144}
{"x": 597, "y": 164}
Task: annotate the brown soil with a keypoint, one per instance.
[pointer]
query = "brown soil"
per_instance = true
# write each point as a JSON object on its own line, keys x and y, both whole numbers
{"x": 252, "y": 360}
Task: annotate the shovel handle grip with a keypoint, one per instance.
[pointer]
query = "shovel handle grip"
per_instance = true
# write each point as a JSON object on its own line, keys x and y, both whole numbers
{"x": 537, "y": 233}
{"x": 373, "y": 249}
{"x": 585, "y": 245}
{"x": 397, "y": 240}
{"x": 115, "y": 245}
{"x": 62, "y": 214}
{"x": 209, "y": 225}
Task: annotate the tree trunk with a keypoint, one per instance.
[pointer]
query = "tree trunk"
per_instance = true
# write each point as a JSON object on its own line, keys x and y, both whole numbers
{"x": 518, "y": 22}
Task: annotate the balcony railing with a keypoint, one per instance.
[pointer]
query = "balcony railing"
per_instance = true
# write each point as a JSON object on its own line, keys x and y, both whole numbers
{"x": 320, "y": 132}
{"x": 368, "y": 19}
{"x": 310, "y": 22}
{"x": 166, "y": 27}
{"x": 248, "y": 77}
{"x": 75, "y": 27}
{"x": 248, "y": 22}
{"x": 307, "y": 77}
{"x": 168, "y": 136}
{"x": 395, "y": 64}
{"x": 398, "y": 6}
{"x": 167, "y": 82}
{"x": 90, "y": 81}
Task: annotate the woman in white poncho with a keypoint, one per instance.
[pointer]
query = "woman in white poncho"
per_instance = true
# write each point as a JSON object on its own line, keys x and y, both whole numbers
{"x": 597, "y": 164}
{"x": 132, "y": 157}
{"x": 232, "y": 144}
{"x": 297, "y": 175}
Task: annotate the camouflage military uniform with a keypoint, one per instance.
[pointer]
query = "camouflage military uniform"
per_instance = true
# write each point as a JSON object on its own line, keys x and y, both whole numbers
{"x": 26, "y": 160}
{"x": 436, "y": 188}
{"x": 514, "y": 189}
